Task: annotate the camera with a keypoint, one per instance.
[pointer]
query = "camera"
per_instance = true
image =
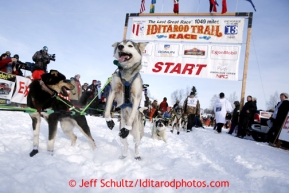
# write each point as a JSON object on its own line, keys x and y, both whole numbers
{"x": 51, "y": 57}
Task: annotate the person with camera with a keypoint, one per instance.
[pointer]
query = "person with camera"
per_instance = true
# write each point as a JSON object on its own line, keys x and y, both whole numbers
{"x": 4, "y": 62}
{"x": 41, "y": 59}
{"x": 16, "y": 66}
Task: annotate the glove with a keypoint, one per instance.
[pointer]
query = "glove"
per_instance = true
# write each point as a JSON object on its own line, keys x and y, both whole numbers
{"x": 110, "y": 124}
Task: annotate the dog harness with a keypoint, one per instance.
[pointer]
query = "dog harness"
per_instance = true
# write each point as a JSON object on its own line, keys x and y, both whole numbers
{"x": 127, "y": 88}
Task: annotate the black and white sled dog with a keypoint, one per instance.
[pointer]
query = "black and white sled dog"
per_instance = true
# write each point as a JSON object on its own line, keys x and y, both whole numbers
{"x": 42, "y": 95}
{"x": 184, "y": 121}
{"x": 126, "y": 88}
{"x": 159, "y": 129}
{"x": 177, "y": 121}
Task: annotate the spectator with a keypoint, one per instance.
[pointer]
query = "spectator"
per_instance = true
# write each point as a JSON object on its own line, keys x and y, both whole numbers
{"x": 16, "y": 66}
{"x": 41, "y": 59}
{"x": 76, "y": 92}
{"x": 176, "y": 106}
{"x": 106, "y": 90}
{"x": 83, "y": 99}
{"x": 246, "y": 113}
{"x": 163, "y": 105}
{"x": 235, "y": 117}
{"x": 154, "y": 110}
{"x": 221, "y": 107}
{"x": 92, "y": 95}
{"x": 9, "y": 65}
{"x": 98, "y": 86}
{"x": 4, "y": 61}
{"x": 191, "y": 107}
{"x": 167, "y": 116}
{"x": 278, "y": 117}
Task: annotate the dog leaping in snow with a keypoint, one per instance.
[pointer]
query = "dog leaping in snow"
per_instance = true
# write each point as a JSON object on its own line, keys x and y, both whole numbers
{"x": 126, "y": 88}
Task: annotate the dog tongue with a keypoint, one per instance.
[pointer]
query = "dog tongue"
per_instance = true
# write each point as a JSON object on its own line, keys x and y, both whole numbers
{"x": 122, "y": 59}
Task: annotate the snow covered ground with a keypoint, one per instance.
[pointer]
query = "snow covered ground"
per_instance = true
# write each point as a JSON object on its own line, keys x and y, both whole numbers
{"x": 200, "y": 158}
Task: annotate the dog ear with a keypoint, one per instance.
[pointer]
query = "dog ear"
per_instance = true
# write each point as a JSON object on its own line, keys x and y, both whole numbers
{"x": 142, "y": 46}
{"x": 115, "y": 44}
{"x": 54, "y": 72}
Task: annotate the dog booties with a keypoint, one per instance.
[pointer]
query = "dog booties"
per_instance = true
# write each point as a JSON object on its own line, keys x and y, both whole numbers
{"x": 123, "y": 133}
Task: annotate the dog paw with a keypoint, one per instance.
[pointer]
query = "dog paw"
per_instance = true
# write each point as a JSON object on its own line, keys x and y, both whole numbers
{"x": 137, "y": 158}
{"x": 33, "y": 152}
{"x": 110, "y": 124}
{"x": 123, "y": 133}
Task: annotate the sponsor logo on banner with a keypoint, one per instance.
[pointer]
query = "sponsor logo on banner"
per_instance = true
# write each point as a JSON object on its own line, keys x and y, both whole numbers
{"x": 195, "y": 52}
{"x": 222, "y": 76}
{"x": 167, "y": 50}
{"x": 161, "y": 36}
{"x": 137, "y": 29}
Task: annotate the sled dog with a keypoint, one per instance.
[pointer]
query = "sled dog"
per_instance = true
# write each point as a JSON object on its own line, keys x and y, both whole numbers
{"x": 177, "y": 121}
{"x": 126, "y": 88}
{"x": 159, "y": 129}
{"x": 43, "y": 95}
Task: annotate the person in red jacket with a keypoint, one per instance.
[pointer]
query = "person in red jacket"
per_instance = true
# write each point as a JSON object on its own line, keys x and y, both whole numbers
{"x": 4, "y": 60}
{"x": 164, "y": 105}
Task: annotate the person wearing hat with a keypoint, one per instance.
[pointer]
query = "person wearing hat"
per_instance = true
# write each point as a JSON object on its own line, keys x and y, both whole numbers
{"x": 41, "y": 59}
{"x": 5, "y": 61}
{"x": 235, "y": 117}
{"x": 278, "y": 117}
{"x": 76, "y": 92}
{"x": 246, "y": 113}
{"x": 221, "y": 107}
{"x": 191, "y": 107}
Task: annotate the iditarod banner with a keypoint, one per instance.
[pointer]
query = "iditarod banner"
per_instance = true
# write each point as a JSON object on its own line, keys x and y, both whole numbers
{"x": 192, "y": 60}
{"x": 284, "y": 135}
{"x": 189, "y": 29}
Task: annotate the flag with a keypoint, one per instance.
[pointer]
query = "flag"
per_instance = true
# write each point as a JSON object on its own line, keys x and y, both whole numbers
{"x": 152, "y": 8}
{"x": 142, "y": 6}
{"x": 252, "y": 4}
{"x": 213, "y": 6}
{"x": 224, "y": 6}
{"x": 176, "y": 6}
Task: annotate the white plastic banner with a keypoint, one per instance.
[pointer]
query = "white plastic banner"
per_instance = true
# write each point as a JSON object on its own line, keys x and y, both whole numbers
{"x": 284, "y": 135}
{"x": 192, "y": 60}
{"x": 189, "y": 29}
{"x": 21, "y": 91}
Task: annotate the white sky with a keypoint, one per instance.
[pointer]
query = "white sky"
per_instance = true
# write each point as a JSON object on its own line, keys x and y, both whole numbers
{"x": 81, "y": 33}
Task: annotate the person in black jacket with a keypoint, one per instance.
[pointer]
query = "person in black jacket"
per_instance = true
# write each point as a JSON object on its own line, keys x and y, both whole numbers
{"x": 235, "y": 117}
{"x": 278, "y": 117}
{"x": 245, "y": 116}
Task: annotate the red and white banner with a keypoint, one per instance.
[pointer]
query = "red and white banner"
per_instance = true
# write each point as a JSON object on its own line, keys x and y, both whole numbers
{"x": 192, "y": 60}
{"x": 189, "y": 29}
{"x": 284, "y": 135}
{"x": 21, "y": 91}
